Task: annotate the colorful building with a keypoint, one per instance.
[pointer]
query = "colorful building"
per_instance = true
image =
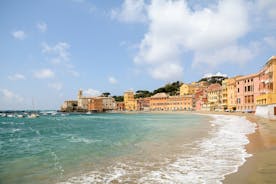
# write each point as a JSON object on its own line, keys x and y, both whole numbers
{"x": 163, "y": 102}
{"x": 224, "y": 94}
{"x": 158, "y": 102}
{"x": 214, "y": 97}
{"x": 266, "y": 101}
{"x": 247, "y": 92}
{"x": 231, "y": 94}
{"x": 129, "y": 101}
{"x": 143, "y": 104}
{"x": 191, "y": 89}
{"x": 120, "y": 106}
{"x": 200, "y": 99}
{"x": 95, "y": 105}
{"x": 108, "y": 103}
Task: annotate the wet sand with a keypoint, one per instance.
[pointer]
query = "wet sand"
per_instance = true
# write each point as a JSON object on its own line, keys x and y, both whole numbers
{"x": 261, "y": 167}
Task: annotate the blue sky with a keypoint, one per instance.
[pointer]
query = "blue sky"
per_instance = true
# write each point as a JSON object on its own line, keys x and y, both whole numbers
{"x": 50, "y": 49}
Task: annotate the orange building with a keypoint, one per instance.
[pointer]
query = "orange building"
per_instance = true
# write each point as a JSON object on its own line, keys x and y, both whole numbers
{"x": 95, "y": 104}
{"x": 120, "y": 106}
{"x": 163, "y": 102}
{"x": 143, "y": 104}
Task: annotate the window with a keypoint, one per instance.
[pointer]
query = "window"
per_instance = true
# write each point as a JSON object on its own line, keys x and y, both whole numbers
{"x": 245, "y": 88}
{"x": 238, "y": 90}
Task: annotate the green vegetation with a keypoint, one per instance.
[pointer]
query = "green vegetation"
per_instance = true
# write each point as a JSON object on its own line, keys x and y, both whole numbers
{"x": 105, "y": 94}
{"x": 142, "y": 94}
{"x": 118, "y": 98}
{"x": 170, "y": 88}
{"x": 213, "y": 79}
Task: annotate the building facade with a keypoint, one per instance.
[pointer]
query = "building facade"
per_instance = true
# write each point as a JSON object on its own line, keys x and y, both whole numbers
{"x": 266, "y": 101}
{"x": 214, "y": 97}
{"x": 163, "y": 102}
{"x": 143, "y": 104}
{"x": 224, "y": 94}
{"x": 69, "y": 106}
{"x": 108, "y": 103}
{"x": 120, "y": 106}
{"x": 95, "y": 105}
{"x": 129, "y": 101}
{"x": 247, "y": 92}
{"x": 231, "y": 94}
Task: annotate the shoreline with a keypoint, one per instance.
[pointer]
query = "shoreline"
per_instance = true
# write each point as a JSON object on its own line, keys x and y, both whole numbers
{"x": 261, "y": 166}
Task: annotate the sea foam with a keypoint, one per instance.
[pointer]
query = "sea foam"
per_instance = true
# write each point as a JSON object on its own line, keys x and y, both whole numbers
{"x": 211, "y": 159}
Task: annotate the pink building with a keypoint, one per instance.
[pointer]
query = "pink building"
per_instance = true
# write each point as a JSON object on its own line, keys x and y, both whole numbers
{"x": 247, "y": 92}
{"x": 200, "y": 99}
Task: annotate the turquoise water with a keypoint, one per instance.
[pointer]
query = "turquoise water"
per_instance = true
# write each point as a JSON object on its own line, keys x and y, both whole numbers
{"x": 53, "y": 149}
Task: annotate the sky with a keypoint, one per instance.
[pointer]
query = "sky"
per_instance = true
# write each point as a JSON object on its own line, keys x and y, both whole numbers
{"x": 51, "y": 49}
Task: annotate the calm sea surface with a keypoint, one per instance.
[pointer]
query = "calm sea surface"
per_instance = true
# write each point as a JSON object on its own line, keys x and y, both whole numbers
{"x": 115, "y": 148}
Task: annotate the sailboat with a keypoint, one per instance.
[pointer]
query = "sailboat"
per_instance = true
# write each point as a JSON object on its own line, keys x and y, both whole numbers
{"x": 33, "y": 114}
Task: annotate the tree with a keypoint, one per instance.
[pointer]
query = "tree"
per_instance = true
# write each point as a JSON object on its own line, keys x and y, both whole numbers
{"x": 105, "y": 94}
{"x": 118, "y": 98}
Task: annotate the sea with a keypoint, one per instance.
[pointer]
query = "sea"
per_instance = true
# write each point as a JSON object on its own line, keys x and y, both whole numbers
{"x": 122, "y": 148}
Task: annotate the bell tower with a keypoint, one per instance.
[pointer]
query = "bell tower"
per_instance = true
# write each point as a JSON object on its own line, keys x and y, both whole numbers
{"x": 80, "y": 94}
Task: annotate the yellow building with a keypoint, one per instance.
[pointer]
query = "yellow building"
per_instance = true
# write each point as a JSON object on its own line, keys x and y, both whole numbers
{"x": 129, "y": 101}
{"x": 268, "y": 83}
{"x": 231, "y": 94}
{"x": 191, "y": 89}
{"x": 224, "y": 94}
{"x": 185, "y": 89}
{"x": 214, "y": 97}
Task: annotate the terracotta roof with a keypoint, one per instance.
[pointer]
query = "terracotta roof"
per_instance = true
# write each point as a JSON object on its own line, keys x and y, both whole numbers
{"x": 214, "y": 87}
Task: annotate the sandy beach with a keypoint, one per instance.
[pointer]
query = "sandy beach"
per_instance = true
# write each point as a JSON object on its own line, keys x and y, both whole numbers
{"x": 261, "y": 167}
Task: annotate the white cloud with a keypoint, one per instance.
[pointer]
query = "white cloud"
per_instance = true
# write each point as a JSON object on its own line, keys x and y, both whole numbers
{"x": 167, "y": 72}
{"x": 91, "y": 92}
{"x": 59, "y": 55}
{"x": 59, "y": 52}
{"x": 267, "y": 7}
{"x": 42, "y": 26}
{"x": 130, "y": 11}
{"x": 11, "y": 96}
{"x": 207, "y": 75}
{"x": 16, "y": 76}
{"x": 224, "y": 55}
{"x": 44, "y": 74}
{"x": 56, "y": 85}
{"x": 19, "y": 34}
{"x": 112, "y": 80}
{"x": 210, "y": 33}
